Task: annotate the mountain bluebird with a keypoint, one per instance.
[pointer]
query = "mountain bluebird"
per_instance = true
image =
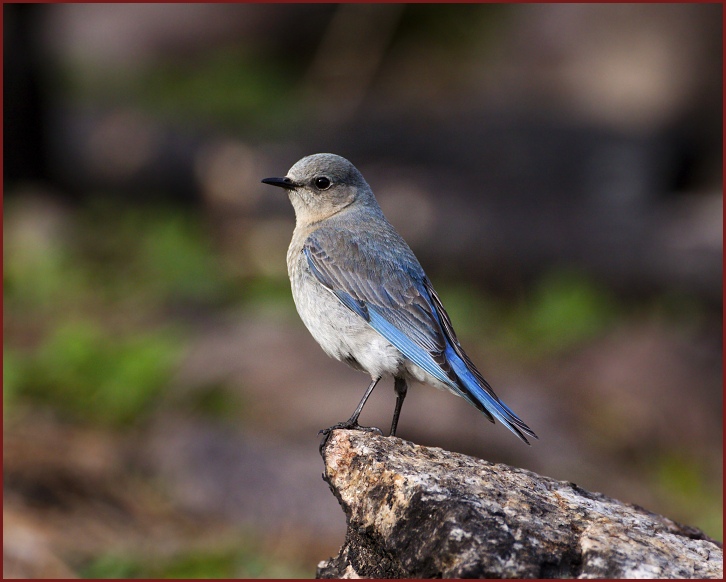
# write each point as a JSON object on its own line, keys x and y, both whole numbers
{"x": 364, "y": 297}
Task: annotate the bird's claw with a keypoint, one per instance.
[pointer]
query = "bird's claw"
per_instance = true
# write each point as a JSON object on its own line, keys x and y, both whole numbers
{"x": 347, "y": 425}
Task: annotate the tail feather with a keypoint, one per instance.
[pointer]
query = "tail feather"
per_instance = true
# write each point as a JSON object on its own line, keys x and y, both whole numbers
{"x": 472, "y": 385}
{"x": 478, "y": 392}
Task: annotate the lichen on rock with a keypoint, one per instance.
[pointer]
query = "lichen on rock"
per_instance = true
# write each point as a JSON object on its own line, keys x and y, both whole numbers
{"x": 421, "y": 512}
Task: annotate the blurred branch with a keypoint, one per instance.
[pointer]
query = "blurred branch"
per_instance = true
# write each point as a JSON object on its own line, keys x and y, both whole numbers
{"x": 348, "y": 57}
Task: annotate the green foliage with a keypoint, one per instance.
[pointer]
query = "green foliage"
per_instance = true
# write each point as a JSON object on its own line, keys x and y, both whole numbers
{"x": 96, "y": 377}
{"x": 563, "y": 310}
{"x": 261, "y": 291}
{"x": 12, "y": 378}
{"x": 85, "y": 304}
{"x": 141, "y": 257}
{"x": 82, "y": 305}
{"x": 216, "y": 402}
{"x": 152, "y": 254}
{"x": 243, "y": 561}
{"x": 684, "y": 483}
{"x": 221, "y": 86}
{"x": 40, "y": 273}
{"x": 112, "y": 566}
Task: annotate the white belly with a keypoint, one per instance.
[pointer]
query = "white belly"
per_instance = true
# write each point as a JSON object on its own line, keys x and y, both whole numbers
{"x": 343, "y": 334}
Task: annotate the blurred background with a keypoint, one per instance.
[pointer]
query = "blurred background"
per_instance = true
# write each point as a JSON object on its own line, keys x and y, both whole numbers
{"x": 557, "y": 168}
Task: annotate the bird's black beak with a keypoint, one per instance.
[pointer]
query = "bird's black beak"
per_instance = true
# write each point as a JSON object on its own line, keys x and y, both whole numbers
{"x": 286, "y": 183}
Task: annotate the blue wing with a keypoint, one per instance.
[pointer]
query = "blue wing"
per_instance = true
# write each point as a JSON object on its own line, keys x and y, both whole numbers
{"x": 390, "y": 291}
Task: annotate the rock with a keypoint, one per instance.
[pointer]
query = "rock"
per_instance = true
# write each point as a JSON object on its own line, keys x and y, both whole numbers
{"x": 420, "y": 512}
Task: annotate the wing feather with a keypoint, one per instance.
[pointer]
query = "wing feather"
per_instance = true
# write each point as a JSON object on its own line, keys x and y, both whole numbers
{"x": 391, "y": 292}
{"x": 374, "y": 282}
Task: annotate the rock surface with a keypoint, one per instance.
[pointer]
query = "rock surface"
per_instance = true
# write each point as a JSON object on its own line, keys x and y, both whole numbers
{"x": 422, "y": 512}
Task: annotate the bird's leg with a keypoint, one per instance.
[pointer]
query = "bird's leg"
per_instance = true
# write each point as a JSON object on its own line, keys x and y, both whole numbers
{"x": 352, "y": 422}
{"x": 401, "y": 388}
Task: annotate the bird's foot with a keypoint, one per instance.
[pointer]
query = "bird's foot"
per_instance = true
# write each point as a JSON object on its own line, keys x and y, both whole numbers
{"x": 347, "y": 425}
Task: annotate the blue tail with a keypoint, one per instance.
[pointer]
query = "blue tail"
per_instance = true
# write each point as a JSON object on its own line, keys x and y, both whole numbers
{"x": 477, "y": 392}
{"x": 466, "y": 380}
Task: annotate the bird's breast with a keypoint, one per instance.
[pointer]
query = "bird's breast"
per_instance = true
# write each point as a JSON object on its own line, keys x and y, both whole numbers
{"x": 341, "y": 333}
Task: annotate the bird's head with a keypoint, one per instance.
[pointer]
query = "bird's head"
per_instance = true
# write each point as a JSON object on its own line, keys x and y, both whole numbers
{"x": 322, "y": 185}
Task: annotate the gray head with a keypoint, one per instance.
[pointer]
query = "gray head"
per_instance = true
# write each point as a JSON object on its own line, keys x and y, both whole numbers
{"x": 322, "y": 185}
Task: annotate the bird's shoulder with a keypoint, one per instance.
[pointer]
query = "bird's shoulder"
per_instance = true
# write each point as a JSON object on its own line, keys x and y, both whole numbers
{"x": 366, "y": 244}
{"x": 374, "y": 268}
{"x": 375, "y": 274}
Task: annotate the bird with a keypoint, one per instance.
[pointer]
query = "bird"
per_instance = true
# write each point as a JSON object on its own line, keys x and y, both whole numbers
{"x": 363, "y": 295}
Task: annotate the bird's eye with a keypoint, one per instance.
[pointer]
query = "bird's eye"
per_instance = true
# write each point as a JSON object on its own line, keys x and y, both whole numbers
{"x": 322, "y": 183}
